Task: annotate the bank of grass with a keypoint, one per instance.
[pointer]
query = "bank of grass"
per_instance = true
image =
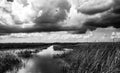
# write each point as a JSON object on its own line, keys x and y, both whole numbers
{"x": 85, "y": 58}
{"x": 94, "y": 58}
{"x": 9, "y": 62}
{"x": 13, "y": 60}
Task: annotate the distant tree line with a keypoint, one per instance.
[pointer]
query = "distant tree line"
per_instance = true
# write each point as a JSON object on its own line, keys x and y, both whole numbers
{"x": 4, "y": 46}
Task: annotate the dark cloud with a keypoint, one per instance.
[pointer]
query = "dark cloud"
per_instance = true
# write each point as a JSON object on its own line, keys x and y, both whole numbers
{"x": 10, "y": 0}
{"x": 108, "y": 18}
{"x": 116, "y": 10}
{"x": 53, "y": 12}
{"x": 51, "y": 17}
{"x": 63, "y": 15}
{"x": 91, "y": 7}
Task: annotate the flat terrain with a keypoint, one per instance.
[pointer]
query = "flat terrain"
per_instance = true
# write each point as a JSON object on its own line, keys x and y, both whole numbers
{"x": 85, "y": 58}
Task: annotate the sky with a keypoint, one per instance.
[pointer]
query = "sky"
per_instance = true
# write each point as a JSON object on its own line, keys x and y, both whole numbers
{"x": 71, "y": 16}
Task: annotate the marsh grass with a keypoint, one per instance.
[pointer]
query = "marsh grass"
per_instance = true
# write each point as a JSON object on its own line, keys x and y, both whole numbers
{"x": 85, "y": 58}
{"x": 8, "y": 62}
{"x": 100, "y": 58}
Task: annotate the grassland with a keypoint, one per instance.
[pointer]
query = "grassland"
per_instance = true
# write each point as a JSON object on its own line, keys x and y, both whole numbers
{"x": 85, "y": 57}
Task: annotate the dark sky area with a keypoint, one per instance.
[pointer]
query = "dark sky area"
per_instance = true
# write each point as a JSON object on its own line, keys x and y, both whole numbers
{"x": 58, "y": 15}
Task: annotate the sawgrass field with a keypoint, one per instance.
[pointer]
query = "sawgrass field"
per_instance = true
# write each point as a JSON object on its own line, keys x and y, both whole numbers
{"x": 84, "y": 58}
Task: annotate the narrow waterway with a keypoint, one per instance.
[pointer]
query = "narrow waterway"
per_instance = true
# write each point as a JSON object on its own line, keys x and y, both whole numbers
{"x": 43, "y": 62}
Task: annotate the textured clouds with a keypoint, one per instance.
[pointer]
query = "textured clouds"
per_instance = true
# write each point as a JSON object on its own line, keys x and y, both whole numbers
{"x": 93, "y": 6}
{"x": 56, "y": 15}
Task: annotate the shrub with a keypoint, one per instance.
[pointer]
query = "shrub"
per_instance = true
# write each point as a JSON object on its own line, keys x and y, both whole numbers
{"x": 8, "y": 62}
{"x": 25, "y": 54}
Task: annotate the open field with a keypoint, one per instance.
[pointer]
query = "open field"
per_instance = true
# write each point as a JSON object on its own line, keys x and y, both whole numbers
{"x": 84, "y": 58}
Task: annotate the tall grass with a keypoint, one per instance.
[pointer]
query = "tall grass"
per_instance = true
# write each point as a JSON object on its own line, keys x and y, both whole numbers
{"x": 85, "y": 58}
{"x": 8, "y": 62}
{"x": 101, "y": 58}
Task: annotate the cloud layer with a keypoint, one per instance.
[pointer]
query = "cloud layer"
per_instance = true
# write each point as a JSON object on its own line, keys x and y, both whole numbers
{"x": 56, "y": 15}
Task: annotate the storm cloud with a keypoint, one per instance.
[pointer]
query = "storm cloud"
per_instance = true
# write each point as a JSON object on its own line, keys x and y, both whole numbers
{"x": 58, "y": 15}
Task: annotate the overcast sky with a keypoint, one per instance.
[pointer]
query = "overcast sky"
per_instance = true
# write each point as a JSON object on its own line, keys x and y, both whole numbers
{"x": 78, "y": 16}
